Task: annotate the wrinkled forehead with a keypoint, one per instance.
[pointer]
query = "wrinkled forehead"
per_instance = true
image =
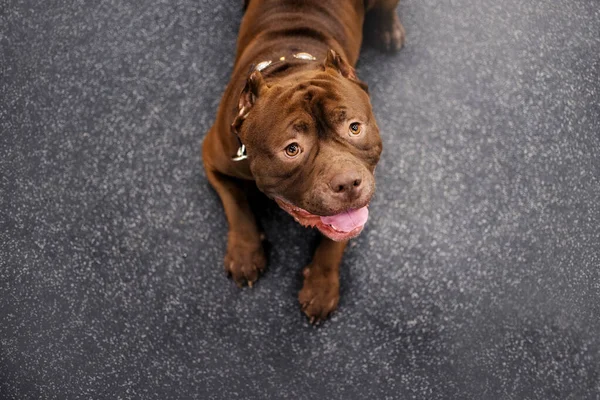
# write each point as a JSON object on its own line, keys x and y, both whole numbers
{"x": 320, "y": 96}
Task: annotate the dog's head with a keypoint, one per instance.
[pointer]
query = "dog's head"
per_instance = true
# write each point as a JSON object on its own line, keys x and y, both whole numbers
{"x": 313, "y": 143}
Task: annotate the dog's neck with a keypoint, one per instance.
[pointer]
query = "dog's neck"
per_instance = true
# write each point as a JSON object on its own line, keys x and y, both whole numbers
{"x": 282, "y": 59}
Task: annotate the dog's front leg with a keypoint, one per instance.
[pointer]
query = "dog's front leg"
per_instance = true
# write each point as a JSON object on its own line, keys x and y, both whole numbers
{"x": 245, "y": 258}
{"x": 320, "y": 293}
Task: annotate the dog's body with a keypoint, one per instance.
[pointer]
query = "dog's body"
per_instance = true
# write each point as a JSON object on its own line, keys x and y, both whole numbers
{"x": 309, "y": 137}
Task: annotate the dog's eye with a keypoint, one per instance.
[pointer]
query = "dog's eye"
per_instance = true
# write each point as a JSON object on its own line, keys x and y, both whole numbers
{"x": 355, "y": 129}
{"x": 292, "y": 150}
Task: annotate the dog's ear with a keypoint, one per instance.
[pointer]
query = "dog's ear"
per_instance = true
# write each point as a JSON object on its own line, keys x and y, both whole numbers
{"x": 255, "y": 86}
{"x": 335, "y": 61}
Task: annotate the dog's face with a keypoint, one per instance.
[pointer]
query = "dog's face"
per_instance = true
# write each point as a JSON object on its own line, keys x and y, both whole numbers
{"x": 313, "y": 144}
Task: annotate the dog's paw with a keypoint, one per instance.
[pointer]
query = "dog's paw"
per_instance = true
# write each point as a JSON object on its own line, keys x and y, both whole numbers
{"x": 245, "y": 259}
{"x": 390, "y": 34}
{"x": 320, "y": 293}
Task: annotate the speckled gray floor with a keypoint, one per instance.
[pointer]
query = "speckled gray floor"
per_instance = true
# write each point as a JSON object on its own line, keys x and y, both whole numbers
{"x": 476, "y": 278}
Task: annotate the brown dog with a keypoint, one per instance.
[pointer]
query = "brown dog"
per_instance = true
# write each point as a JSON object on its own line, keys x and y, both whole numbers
{"x": 300, "y": 125}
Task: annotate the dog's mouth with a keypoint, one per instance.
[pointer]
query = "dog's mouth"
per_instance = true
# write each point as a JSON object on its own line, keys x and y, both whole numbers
{"x": 338, "y": 227}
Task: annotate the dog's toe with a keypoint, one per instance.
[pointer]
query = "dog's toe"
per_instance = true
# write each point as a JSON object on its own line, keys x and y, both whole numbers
{"x": 388, "y": 33}
{"x": 244, "y": 261}
{"x": 394, "y": 35}
{"x": 319, "y": 296}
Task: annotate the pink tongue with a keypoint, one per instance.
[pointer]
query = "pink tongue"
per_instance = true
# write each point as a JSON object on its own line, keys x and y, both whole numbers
{"x": 348, "y": 220}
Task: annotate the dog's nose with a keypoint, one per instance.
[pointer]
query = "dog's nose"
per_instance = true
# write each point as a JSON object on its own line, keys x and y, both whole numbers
{"x": 347, "y": 183}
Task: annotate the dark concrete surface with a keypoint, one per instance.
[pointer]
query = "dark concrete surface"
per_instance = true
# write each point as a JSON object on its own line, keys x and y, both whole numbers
{"x": 476, "y": 277}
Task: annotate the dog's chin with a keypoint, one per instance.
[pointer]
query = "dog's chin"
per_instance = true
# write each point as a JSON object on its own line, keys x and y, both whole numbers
{"x": 326, "y": 224}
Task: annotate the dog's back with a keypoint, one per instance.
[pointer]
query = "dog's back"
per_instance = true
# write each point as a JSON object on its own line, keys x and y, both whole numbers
{"x": 278, "y": 26}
